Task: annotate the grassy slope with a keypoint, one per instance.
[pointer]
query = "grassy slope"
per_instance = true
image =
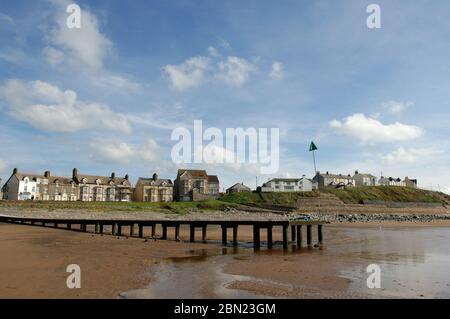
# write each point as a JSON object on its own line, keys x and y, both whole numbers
{"x": 279, "y": 198}
{"x": 388, "y": 193}
{"x": 351, "y": 196}
{"x": 173, "y": 207}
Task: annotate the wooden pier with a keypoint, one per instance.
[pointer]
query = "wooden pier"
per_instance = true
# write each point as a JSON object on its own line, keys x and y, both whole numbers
{"x": 98, "y": 226}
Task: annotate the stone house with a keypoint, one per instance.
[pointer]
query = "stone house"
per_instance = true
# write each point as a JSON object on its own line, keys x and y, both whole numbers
{"x": 102, "y": 188}
{"x": 334, "y": 180}
{"x": 410, "y": 182}
{"x": 153, "y": 189}
{"x": 364, "y": 179}
{"x": 237, "y": 188}
{"x": 191, "y": 184}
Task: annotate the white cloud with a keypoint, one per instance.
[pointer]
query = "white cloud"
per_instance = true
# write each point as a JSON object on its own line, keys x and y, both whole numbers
{"x": 14, "y": 56}
{"x": 397, "y": 106}
{"x": 212, "y": 51}
{"x": 277, "y": 70}
{"x": 370, "y": 130}
{"x": 119, "y": 82}
{"x": 53, "y": 56}
{"x": 86, "y": 46}
{"x": 2, "y": 166}
{"x": 124, "y": 153}
{"x": 195, "y": 71}
{"x": 234, "y": 71}
{"x": 7, "y": 18}
{"x": 189, "y": 74}
{"x": 410, "y": 155}
{"x": 49, "y": 108}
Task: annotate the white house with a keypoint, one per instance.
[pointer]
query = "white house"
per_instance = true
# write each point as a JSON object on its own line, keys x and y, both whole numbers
{"x": 302, "y": 184}
{"x": 20, "y": 186}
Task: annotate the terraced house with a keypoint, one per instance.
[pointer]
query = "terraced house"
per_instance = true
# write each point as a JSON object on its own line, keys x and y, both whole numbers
{"x": 153, "y": 189}
{"x": 334, "y": 180}
{"x": 94, "y": 188}
{"x": 25, "y": 186}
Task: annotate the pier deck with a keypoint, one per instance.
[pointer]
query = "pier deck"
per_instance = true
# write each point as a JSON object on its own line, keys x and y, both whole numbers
{"x": 98, "y": 226}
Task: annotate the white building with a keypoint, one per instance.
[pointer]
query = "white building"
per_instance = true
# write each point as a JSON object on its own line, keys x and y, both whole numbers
{"x": 20, "y": 186}
{"x": 289, "y": 185}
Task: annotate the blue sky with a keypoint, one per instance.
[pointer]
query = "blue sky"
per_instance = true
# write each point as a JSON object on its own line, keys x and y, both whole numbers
{"x": 106, "y": 97}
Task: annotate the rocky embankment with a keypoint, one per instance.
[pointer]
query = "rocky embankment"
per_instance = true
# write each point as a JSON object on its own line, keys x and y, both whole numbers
{"x": 345, "y": 218}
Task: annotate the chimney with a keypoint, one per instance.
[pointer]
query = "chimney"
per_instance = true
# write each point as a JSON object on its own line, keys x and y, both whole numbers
{"x": 15, "y": 171}
{"x": 126, "y": 177}
{"x": 47, "y": 174}
{"x": 113, "y": 175}
{"x": 74, "y": 173}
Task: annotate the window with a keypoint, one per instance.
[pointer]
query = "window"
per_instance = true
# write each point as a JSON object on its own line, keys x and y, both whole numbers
{"x": 25, "y": 188}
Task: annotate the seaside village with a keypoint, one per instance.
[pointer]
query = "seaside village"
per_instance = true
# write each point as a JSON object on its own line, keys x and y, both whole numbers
{"x": 189, "y": 185}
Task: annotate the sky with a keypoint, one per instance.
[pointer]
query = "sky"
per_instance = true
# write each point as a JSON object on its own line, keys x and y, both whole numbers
{"x": 106, "y": 97}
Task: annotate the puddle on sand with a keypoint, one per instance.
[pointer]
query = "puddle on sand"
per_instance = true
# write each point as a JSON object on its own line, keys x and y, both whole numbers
{"x": 414, "y": 262}
{"x": 197, "y": 276}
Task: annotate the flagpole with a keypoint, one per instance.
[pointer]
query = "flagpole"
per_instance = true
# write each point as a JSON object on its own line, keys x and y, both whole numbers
{"x": 314, "y": 159}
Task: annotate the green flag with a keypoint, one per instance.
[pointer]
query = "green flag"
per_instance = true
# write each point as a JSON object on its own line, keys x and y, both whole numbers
{"x": 312, "y": 147}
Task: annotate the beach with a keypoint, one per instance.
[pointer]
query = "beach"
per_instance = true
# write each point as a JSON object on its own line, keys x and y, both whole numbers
{"x": 413, "y": 259}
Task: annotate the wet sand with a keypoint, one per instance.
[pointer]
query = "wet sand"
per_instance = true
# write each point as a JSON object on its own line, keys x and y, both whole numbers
{"x": 414, "y": 262}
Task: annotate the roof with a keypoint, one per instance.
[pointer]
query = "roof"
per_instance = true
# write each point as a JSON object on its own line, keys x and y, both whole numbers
{"x": 196, "y": 173}
{"x": 364, "y": 175}
{"x": 154, "y": 182}
{"x": 51, "y": 179}
{"x": 334, "y": 175}
{"x": 239, "y": 185}
{"x": 92, "y": 179}
{"x": 213, "y": 179}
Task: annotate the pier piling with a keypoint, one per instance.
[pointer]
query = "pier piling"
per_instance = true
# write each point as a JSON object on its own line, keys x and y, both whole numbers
{"x": 235, "y": 235}
{"x": 204, "y": 233}
{"x": 224, "y": 234}
{"x": 192, "y": 234}
{"x": 256, "y": 237}
{"x": 269, "y": 236}
{"x": 299, "y": 236}
{"x": 285, "y": 236}
{"x": 309, "y": 235}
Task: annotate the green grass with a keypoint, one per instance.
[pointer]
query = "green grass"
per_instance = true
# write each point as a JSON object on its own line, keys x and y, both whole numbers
{"x": 358, "y": 195}
{"x": 259, "y": 199}
{"x": 350, "y": 196}
{"x": 169, "y": 207}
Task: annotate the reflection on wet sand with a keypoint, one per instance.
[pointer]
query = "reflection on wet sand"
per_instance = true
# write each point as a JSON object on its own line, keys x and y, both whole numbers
{"x": 414, "y": 263}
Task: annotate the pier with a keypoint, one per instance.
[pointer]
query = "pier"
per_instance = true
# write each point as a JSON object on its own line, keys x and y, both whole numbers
{"x": 98, "y": 227}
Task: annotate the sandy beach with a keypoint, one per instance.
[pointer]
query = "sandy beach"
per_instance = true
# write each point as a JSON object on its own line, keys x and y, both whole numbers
{"x": 35, "y": 261}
